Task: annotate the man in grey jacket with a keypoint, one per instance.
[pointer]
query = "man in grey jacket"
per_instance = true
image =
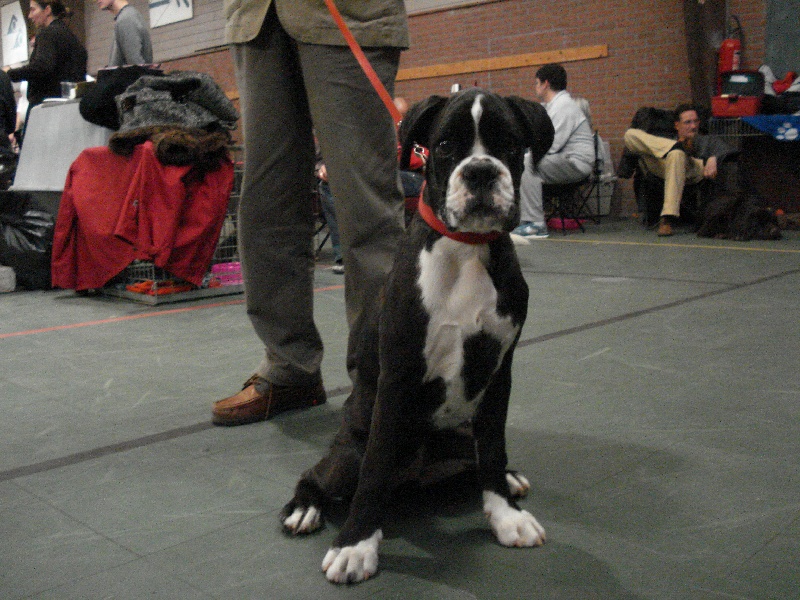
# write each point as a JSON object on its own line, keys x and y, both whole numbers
{"x": 570, "y": 158}
{"x": 296, "y": 75}
{"x": 131, "y": 44}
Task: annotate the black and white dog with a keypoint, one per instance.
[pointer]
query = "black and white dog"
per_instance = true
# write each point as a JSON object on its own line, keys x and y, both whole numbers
{"x": 452, "y": 313}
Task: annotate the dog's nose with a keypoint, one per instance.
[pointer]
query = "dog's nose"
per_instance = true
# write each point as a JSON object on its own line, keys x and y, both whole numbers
{"x": 479, "y": 173}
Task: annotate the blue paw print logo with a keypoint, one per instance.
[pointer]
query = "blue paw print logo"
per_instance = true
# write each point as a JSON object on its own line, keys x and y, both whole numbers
{"x": 787, "y": 132}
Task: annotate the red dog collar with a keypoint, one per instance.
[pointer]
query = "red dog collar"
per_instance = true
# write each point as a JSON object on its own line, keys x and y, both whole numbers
{"x": 466, "y": 237}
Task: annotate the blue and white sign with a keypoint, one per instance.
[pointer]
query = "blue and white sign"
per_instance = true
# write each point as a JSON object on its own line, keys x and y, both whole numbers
{"x": 15, "y": 34}
{"x": 164, "y": 12}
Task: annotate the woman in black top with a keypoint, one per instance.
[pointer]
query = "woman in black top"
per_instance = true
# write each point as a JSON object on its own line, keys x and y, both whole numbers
{"x": 8, "y": 115}
{"x": 57, "y": 54}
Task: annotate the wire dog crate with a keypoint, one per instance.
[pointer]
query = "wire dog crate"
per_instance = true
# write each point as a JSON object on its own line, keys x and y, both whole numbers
{"x": 142, "y": 281}
{"x": 732, "y": 129}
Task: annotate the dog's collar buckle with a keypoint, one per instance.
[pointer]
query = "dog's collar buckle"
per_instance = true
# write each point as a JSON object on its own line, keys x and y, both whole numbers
{"x": 467, "y": 237}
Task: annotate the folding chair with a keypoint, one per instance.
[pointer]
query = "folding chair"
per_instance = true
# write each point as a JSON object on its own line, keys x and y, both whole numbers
{"x": 565, "y": 202}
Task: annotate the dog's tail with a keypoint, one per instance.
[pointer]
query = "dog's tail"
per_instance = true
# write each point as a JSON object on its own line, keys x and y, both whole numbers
{"x": 519, "y": 240}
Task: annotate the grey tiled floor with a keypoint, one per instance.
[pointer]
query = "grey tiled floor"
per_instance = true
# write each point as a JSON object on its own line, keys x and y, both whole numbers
{"x": 655, "y": 409}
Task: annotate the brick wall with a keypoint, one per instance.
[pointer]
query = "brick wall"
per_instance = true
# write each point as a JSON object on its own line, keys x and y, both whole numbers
{"x": 647, "y": 62}
{"x": 753, "y": 17}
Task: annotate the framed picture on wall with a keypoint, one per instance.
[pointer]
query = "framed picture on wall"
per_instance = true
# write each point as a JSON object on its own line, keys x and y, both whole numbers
{"x": 164, "y": 12}
{"x": 15, "y": 34}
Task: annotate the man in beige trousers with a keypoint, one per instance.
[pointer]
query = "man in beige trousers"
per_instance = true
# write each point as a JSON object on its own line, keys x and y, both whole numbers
{"x": 691, "y": 157}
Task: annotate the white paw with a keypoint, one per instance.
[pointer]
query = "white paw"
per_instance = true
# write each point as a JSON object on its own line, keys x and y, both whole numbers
{"x": 353, "y": 564}
{"x": 512, "y": 527}
{"x": 519, "y": 240}
{"x": 518, "y": 484}
{"x": 303, "y": 520}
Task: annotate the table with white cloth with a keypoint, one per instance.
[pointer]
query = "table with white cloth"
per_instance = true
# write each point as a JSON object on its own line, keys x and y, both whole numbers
{"x": 770, "y": 155}
{"x": 55, "y": 135}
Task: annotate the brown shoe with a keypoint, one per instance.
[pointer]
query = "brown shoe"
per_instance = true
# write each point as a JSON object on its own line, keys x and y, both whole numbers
{"x": 664, "y": 227}
{"x": 250, "y": 406}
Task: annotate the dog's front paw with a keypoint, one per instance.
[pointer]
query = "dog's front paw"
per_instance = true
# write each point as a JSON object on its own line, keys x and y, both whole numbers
{"x": 519, "y": 240}
{"x": 299, "y": 519}
{"x": 511, "y": 526}
{"x": 353, "y": 564}
{"x": 518, "y": 484}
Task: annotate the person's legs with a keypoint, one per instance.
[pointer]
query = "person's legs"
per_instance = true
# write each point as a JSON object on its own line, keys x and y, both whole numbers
{"x": 276, "y": 221}
{"x": 530, "y": 194}
{"x": 674, "y": 166}
{"x": 329, "y": 210}
{"x": 358, "y": 140}
{"x": 558, "y": 169}
{"x": 276, "y": 227}
{"x": 674, "y": 174}
{"x": 678, "y": 168}
{"x": 645, "y": 144}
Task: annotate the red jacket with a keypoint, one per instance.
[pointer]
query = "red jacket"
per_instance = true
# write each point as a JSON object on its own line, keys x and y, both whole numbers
{"x": 115, "y": 210}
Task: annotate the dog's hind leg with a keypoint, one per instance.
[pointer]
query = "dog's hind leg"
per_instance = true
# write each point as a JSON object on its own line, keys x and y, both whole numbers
{"x": 303, "y": 513}
{"x": 518, "y": 484}
{"x": 336, "y": 475}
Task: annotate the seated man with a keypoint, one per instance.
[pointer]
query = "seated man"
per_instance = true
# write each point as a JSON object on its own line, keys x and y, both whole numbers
{"x": 691, "y": 157}
{"x": 570, "y": 158}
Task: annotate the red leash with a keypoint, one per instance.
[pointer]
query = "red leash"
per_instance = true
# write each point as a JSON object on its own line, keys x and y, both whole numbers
{"x": 362, "y": 60}
{"x": 424, "y": 209}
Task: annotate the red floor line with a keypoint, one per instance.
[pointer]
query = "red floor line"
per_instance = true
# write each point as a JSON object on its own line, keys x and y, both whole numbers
{"x": 159, "y": 313}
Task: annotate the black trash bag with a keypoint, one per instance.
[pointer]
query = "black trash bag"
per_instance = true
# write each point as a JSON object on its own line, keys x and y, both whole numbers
{"x": 26, "y": 240}
{"x": 8, "y": 167}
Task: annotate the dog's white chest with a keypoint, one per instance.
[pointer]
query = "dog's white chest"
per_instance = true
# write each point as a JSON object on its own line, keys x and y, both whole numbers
{"x": 461, "y": 301}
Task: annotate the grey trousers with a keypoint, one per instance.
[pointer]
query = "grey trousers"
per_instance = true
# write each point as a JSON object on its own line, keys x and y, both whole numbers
{"x": 553, "y": 168}
{"x": 286, "y": 88}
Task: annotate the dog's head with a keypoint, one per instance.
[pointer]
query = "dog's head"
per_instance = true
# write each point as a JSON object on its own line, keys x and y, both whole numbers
{"x": 758, "y": 224}
{"x": 477, "y": 142}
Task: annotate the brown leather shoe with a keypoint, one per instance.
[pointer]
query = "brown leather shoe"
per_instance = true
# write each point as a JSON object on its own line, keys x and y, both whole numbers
{"x": 664, "y": 227}
{"x": 250, "y": 406}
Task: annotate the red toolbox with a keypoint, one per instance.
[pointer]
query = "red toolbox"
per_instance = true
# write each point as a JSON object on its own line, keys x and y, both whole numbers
{"x": 741, "y": 94}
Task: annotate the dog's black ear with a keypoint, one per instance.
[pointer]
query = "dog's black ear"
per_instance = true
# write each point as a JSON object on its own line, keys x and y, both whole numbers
{"x": 535, "y": 123}
{"x": 415, "y": 128}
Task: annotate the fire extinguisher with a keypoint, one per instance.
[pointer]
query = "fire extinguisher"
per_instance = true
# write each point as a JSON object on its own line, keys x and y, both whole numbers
{"x": 730, "y": 52}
